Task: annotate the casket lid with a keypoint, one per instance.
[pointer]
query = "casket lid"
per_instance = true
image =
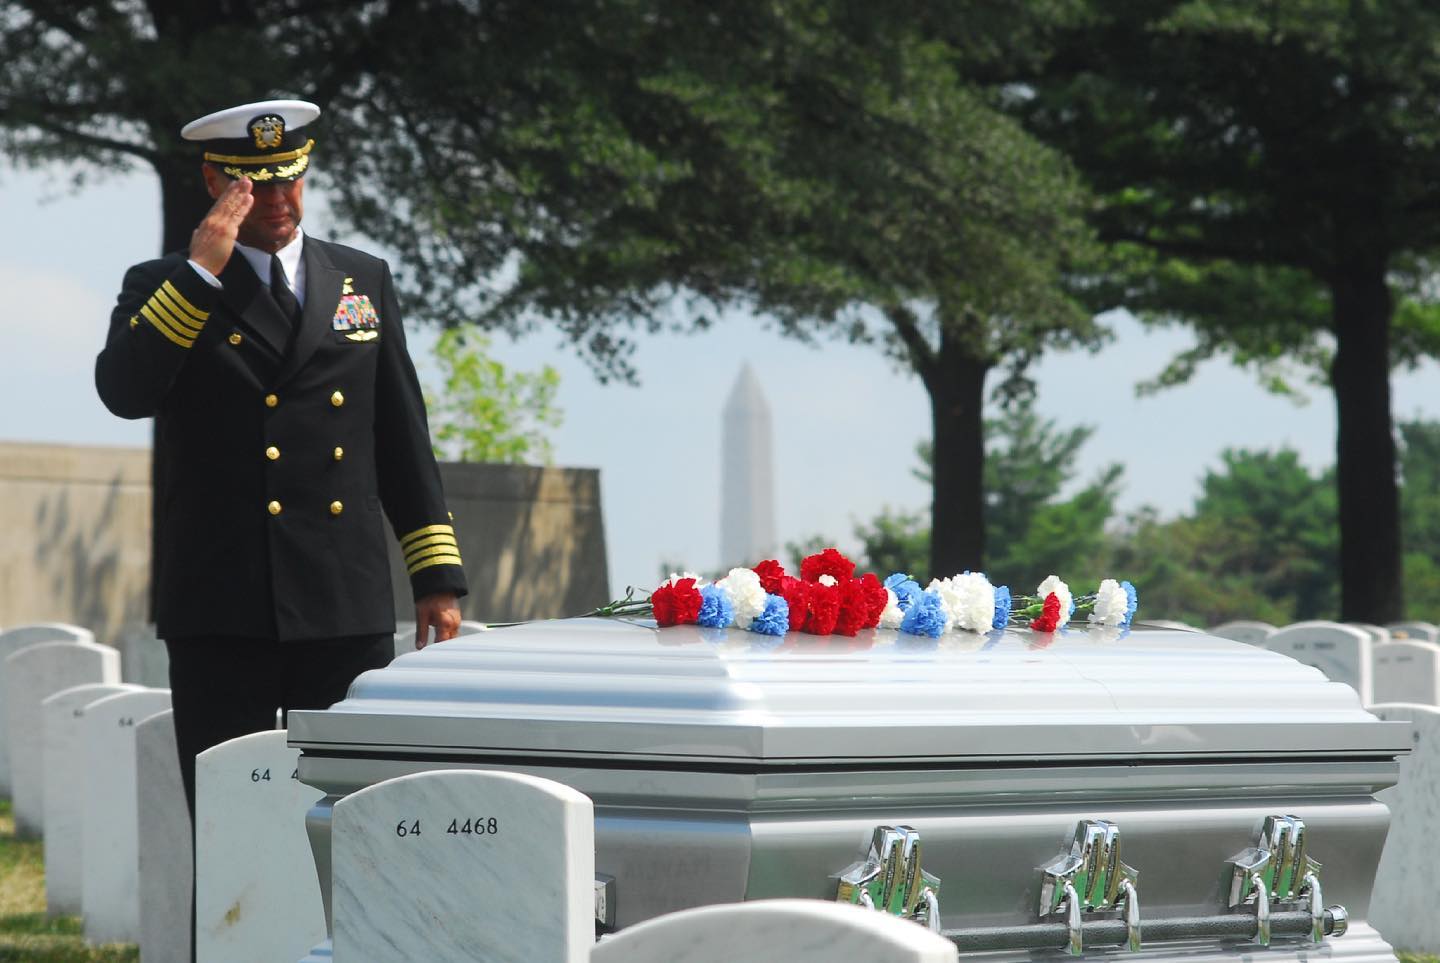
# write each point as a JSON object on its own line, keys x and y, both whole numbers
{"x": 605, "y": 688}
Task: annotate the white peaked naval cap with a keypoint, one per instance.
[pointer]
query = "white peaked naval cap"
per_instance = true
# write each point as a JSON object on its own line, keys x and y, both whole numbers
{"x": 234, "y": 122}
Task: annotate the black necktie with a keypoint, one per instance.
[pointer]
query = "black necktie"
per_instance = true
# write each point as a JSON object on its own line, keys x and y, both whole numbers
{"x": 281, "y": 292}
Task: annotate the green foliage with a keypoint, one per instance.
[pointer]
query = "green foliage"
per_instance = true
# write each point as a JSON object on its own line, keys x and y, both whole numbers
{"x": 1260, "y": 543}
{"x": 484, "y": 412}
{"x": 895, "y": 541}
{"x": 1420, "y": 515}
{"x": 1031, "y": 531}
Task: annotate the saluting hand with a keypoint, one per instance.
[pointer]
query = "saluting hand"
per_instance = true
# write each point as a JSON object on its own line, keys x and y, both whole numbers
{"x": 440, "y": 610}
{"x": 214, "y": 240}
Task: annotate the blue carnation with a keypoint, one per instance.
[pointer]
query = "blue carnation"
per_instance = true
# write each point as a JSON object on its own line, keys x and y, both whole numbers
{"x": 1002, "y": 607}
{"x": 926, "y": 616}
{"x": 775, "y": 619}
{"x": 1132, "y": 603}
{"x": 905, "y": 589}
{"x": 716, "y": 609}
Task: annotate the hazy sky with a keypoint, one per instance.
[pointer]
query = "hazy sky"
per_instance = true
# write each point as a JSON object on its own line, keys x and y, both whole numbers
{"x": 845, "y": 421}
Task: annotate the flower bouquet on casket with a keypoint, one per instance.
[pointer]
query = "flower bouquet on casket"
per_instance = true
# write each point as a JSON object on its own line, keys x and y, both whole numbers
{"x": 828, "y": 598}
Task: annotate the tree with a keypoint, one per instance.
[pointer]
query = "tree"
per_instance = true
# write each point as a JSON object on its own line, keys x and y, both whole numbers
{"x": 1031, "y": 530}
{"x": 107, "y": 84}
{"x": 1268, "y": 174}
{"x": 580, "y": 163}
{"x": 1260, "y": 543}
{"x": 484, "y": 412}
{"x": 818, "y": 162}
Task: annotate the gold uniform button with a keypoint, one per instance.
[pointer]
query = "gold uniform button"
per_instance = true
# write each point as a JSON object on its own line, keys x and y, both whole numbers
{"x": 336, "y": 508}
{"x": 235, "y": 338}
{"x": 274, "y": 508}
{"x": 339, "y": 453}
{"x": 337, "y": 399}
{"x": 271, "y": 401}
{"x": 272, "y": 453}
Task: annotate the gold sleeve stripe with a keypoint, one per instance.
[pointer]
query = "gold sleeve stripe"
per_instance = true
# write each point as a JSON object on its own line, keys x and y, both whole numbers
{"x": 405, "y": 540}
{"x": 161, "y": 318}
{"x": 181, "y": 321}
{"x": 430, "y": 552}
{"x": 436, "y": 560}
{"x": 160, "y": 297}
{"x": 184, "y": 302}
{"x": 165, "y": 329}
{"x": 431, "y": 541}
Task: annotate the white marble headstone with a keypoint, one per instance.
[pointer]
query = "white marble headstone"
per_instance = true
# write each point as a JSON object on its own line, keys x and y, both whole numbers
{"x": 256, "y": 893}
{"x": 464, "y": 865}
{"x": 144, "y": 659}
{"x": 165, "y": 851}
{"x": 1415, "y": 631}
{"x": 1342, "y": 652}
{"x": 109, "y": 868}
{"x": 1402, "y": 906}
{"x": 1407, "y": 672}
{"x": 64, "y": 791}
{"x": 32, "y": 674}
{"x": 1251, "y": 633}
{"x": 793, "y": 930}
{"x": 12, "y": 640}
{"x": 1377, "y": 633}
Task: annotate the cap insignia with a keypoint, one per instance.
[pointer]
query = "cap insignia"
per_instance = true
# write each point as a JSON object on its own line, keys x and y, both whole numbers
{"x": 268, "y": 130}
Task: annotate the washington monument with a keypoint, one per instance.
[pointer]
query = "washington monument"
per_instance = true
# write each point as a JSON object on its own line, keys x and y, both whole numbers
{"x": 747, "y": 481}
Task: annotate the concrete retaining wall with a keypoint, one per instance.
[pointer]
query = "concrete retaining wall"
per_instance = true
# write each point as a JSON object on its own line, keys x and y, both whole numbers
{"x": 75, "y": 538}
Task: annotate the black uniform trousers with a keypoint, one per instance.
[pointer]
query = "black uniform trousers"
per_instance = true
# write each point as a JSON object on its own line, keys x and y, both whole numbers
{"x": 225, "y": 687}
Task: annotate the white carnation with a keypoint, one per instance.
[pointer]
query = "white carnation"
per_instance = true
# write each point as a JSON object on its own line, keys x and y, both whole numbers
{"x": 893, "y": 614}
{"x": 969, "y": 601}
{"x": 1111, "y": 603}
{"x": 1061, "y": 591}
{"x": 677, "y": 576}
{"x": 746, "y": 594}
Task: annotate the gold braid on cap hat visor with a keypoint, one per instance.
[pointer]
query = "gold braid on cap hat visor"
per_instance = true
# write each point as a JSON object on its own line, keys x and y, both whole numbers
{"x": 266, "y": 174}
{"x": 261, "y": 158}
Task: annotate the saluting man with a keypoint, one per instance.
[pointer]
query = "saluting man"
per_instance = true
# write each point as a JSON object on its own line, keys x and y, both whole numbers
{"x": 287, "y": 415}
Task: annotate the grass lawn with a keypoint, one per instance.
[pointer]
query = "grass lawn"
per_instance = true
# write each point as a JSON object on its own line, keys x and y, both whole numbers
{"x": 25, "y": 933}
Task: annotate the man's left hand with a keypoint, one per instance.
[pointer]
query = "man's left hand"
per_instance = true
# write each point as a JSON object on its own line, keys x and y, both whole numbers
{"x": 440, "y": 610}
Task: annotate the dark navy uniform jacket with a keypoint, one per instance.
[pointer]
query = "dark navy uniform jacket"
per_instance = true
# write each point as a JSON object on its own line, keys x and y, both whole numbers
{"x": 277, "y": 449}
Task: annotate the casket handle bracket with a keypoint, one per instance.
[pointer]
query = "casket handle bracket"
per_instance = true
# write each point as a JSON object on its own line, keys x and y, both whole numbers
{"x": 1278, "y": 872}
{"x": 1091, "y": 878}
{"x": 889, "y": 878}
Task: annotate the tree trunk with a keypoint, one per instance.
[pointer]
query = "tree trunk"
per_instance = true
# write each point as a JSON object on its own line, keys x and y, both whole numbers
{"x": 956, "y": 385}
{"x": 183, "y": 201}
{"x": 1371, "y": 589}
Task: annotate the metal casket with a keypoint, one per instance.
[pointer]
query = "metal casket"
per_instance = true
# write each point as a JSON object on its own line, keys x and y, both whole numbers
{"x": 725, "y": 765}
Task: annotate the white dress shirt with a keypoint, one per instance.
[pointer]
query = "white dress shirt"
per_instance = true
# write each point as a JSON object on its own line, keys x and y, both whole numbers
{"x": 290, "y": 260}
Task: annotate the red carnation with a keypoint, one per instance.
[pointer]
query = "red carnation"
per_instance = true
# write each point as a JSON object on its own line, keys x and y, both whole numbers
{"x": 796, "y": 595}
{"x": 676, "y": 603}
{"x": 854, "y": 607}
{"x": 771, "y": 572}
{"x": 1049, "y": 619}
{"x": 829, "y": 562}
{"x": 824, "y": 608}
{"x": 876, "y": 597}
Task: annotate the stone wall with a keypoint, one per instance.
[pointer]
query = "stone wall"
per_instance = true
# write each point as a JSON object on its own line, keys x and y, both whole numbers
{"x": 75, "y": 538}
